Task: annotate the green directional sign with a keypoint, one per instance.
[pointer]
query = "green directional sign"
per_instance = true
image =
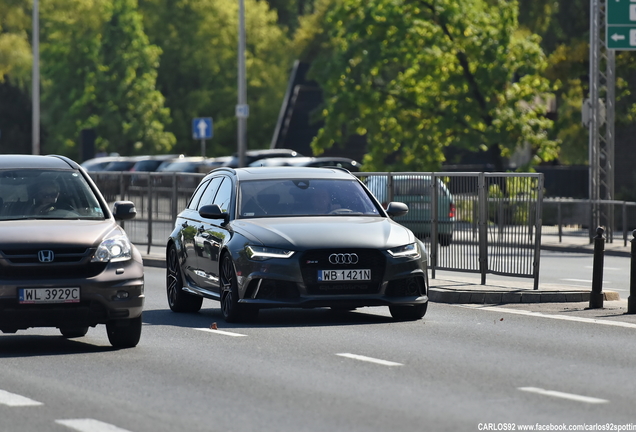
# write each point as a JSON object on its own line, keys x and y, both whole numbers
{"x": 620, "y": 25}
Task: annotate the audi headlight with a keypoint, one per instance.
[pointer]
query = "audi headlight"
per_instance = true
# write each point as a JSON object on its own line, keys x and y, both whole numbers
{"x": 113, "y": 249}
{"x": 408, "y": 251}
{"x": 261, "y": 253}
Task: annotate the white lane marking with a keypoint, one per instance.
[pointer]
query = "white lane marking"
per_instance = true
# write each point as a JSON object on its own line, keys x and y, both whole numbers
{"x": 562, "y": 395}
{"x": 14, "y": 400}
{"x": 606, "y": 268}
{"x": 90, "y": 425}
{"x": 559, "y": 317}
{"x": 220, "y": 332}
{"x": 369, "y": 359}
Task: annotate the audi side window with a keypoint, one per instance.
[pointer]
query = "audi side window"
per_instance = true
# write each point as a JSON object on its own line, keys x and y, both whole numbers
{"x": 208, "y": 196}
{"x": 196, "y": 196}
{"x": 224, "y": 195}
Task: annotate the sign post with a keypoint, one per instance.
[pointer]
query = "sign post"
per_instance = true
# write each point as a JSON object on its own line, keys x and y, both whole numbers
{"x": 202, "y": 129}
{"x": 620, "y": 26}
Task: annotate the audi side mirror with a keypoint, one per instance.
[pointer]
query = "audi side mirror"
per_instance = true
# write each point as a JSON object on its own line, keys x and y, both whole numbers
{"x": 213, "y": 211}
{"x": 395, "y": 209}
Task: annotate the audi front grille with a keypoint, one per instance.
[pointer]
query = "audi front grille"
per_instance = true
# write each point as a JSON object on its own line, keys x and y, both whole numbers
{"x": 342, "y": 259}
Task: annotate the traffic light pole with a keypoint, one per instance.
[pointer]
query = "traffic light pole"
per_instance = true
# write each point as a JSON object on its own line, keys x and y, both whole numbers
{"x": 601, "y": 122}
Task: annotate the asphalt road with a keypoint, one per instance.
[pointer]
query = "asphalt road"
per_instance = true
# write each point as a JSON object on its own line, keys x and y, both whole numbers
{"x": 460, "y": 369}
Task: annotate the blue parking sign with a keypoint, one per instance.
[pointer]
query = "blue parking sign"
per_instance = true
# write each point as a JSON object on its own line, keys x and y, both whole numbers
{"x": 202, "y": 128}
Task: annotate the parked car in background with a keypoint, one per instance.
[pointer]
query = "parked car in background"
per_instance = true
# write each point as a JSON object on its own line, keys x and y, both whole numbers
{"x": 274, "y": 237}
{"x": 254, "y": 155}
{"x": 99, "y": 163}
{"x": 125, "y": 163}
{"x": 348, "y": 164}
{"x": 215, "y": 162}
{"x": 151, "y": 163}
{"x": 184, "y": 166}
{"x": 416, "y": 191}
{"x": 64, "y": 260}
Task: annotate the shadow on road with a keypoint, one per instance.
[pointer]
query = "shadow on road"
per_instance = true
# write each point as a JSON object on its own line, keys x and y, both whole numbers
{"x": 20, "y": 345}
{"x": 319, "y": 317}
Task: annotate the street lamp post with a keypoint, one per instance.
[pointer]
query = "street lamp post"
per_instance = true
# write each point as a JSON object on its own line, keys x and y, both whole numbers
{"x": 35, "y": 118}
{"x": 242, "y": 108}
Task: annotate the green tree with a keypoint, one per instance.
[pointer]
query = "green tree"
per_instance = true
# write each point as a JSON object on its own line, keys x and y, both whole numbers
{"x": 15, "y": 77}
{"x": 15, "y": 49}
{"x": 99, "y": 71}
{"x": 132, "y": 112}
{"x": 564, "y": 29}
{"x": 198, "y": 71}
{"x": 417, "y": 76}
{"x": 290, "y": 12}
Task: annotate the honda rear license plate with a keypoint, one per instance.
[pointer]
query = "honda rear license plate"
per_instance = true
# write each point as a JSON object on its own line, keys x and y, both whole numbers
{"x": 344, "y": 275}
{"x": 49, "y": 295}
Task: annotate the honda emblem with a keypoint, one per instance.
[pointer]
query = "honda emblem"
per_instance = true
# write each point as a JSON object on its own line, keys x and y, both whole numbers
{"x": 45, "y": 256}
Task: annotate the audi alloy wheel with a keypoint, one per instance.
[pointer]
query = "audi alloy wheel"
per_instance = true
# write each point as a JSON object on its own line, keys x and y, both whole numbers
{"x": 232, "y": 311}
{"x": 179, "y": 300}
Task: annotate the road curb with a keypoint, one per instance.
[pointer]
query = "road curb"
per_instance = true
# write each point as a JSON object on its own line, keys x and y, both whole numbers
{"x": 152, "y": 261}
{"x": 440, "y": 295}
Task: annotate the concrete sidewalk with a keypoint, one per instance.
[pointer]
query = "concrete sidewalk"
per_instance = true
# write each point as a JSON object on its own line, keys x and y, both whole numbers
{"x": 464, "y": 288}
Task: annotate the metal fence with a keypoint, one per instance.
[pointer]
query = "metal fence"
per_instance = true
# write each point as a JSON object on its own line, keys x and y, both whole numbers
{"x": 493, "y": 225}
{"x": 496, "y": 223}
{"x": 573, "y": 217}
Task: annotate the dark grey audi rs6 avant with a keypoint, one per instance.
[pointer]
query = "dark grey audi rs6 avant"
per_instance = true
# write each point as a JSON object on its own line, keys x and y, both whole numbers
{"x": 272, "y": 237}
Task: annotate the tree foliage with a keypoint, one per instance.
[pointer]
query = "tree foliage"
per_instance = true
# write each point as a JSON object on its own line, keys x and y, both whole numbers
{"x": 15, "y": 76}
{"x": 15, "y": 49}
{"x": 99, "y": 71}
{"x": 564, "y": 29}
{"x": 418, "y": 76}
{"x": 198, "y": 74}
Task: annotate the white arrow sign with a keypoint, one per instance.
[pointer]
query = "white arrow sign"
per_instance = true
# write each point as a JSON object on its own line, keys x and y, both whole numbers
{"x": 617, "y": 37}
{"x": 202, "y": 127}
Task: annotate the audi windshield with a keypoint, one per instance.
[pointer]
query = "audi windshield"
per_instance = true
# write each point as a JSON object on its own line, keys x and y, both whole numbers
{"x": 304, "y": 197}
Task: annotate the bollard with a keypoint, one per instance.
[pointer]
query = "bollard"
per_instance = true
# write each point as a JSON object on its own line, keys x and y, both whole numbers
{"x": 631, "y": 300}
{"x": 596, "y": 296}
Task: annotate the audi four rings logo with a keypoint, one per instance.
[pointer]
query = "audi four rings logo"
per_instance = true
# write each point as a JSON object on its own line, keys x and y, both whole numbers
{"x": 45, "y": 256}
{"x": 343, "y": 258}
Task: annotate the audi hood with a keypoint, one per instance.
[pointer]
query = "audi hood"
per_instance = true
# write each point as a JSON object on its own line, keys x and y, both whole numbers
{"x": 325, "y": 232}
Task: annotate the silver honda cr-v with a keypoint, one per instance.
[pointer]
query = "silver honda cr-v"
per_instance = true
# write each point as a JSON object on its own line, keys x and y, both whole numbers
{"x": 64, "y": 260}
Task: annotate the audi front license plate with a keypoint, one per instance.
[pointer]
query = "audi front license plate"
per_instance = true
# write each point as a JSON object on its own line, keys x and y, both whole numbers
{"x": 344, "y": 275}
{"x": 49, "y": 295}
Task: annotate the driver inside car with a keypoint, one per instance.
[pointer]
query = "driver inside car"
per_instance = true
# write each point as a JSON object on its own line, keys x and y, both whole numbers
{"x": 44, "y": 199}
